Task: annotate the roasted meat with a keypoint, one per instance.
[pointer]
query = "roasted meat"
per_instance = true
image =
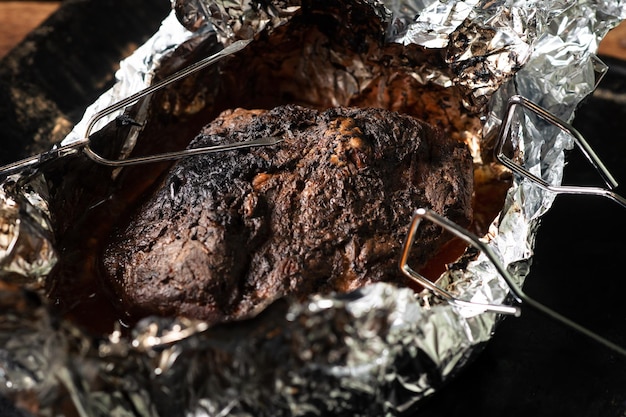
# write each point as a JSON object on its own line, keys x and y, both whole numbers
{"x": 325, "y": 210}
{"x": 326, "y": 55}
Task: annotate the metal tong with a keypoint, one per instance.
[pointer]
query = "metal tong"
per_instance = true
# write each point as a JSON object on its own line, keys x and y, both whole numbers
{"x": 84, "y": 145}
{"x": 521, "y": 298}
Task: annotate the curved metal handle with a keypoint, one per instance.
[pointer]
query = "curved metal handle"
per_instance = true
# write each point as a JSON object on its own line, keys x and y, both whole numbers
{"x": 517, "y": 292}
{"x": 580, "y": 142}
{"x": 73, "y": 148}
{"x": 426, "y": 283}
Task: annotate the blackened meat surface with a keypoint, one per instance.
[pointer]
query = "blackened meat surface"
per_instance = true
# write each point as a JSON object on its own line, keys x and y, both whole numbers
{"x": 325, "y": 210}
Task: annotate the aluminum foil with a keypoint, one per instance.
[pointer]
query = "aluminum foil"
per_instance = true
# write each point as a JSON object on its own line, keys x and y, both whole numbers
{"x": 27, "y": 252}
{"x": 376, "y": 351}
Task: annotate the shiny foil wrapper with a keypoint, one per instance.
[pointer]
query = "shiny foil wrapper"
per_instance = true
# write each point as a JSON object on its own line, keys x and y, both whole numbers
{"x": 376, "y": 351}
{"x": 27, "y": 251}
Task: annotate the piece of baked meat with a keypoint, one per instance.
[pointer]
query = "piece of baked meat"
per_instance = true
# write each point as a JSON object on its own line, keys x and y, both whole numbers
{"x": 326, "y": 210}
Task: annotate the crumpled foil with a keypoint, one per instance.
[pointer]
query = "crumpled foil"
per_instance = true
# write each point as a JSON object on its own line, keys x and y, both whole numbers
{"x": 26, "y": 239}
{"x": 376, "y": 351}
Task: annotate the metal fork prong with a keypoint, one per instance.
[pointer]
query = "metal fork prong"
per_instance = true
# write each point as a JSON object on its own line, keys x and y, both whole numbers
{"x": 170, "y": 156}
{"x": 35, "y": 161}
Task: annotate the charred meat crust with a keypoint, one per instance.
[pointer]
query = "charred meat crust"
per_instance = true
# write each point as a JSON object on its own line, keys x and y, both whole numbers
{"x": 326, "y": 210}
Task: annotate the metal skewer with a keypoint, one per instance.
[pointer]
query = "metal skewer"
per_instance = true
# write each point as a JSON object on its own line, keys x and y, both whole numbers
{"x": 84, "y": 145}
{"x": 522, "y": 298}
{"x": 169, "y": 156}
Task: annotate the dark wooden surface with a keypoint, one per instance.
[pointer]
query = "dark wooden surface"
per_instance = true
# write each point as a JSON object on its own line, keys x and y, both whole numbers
{"x": 18, "y": 18}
